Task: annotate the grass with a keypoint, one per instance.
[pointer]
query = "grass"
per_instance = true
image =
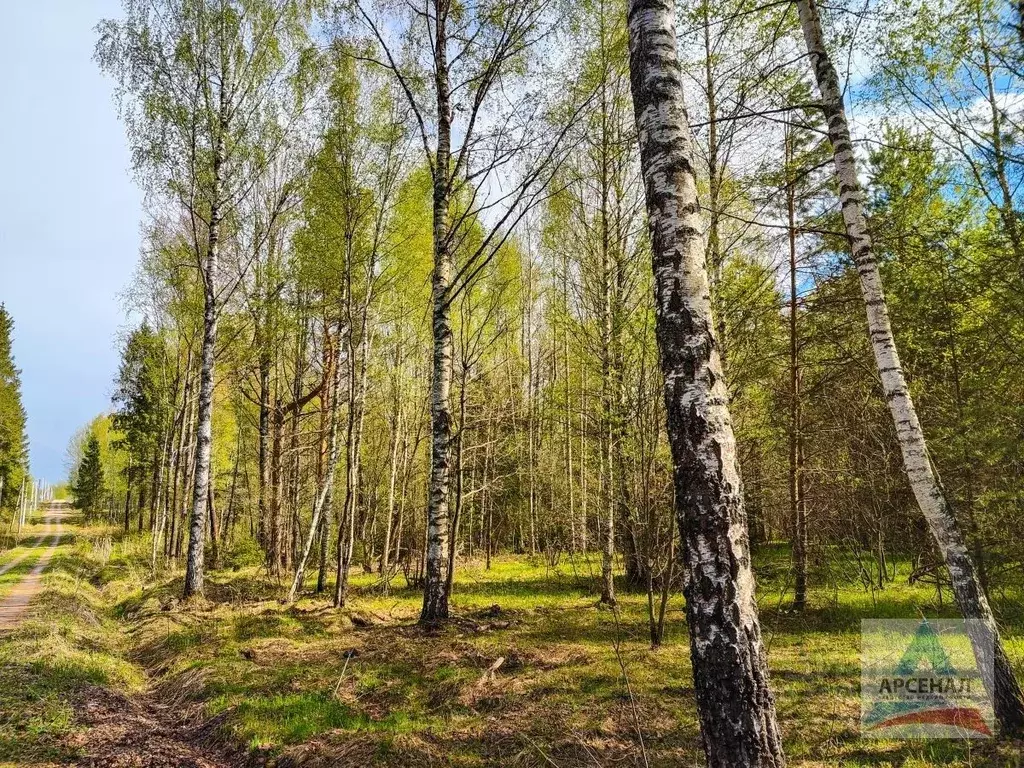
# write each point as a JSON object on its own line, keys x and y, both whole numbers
{"x": 67, "y": 644}
{"x": 305, "y": 681}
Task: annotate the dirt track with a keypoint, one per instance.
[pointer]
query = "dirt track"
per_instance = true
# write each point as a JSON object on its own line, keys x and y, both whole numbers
{"x": 14, "y": 606}
{"x": 118, "y": 731}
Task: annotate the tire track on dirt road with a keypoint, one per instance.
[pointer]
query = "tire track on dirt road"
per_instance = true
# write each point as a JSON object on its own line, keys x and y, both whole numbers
{"x": 14, "y": 606}
{"x": 31, "y": 549}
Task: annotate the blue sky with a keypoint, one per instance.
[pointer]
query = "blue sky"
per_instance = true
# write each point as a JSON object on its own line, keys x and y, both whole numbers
{"x": 69, "y": 218}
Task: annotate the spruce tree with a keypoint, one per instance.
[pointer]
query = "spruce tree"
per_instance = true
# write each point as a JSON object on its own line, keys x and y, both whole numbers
{"x": 13, "y": 441}
{"x": 89, "y": 485}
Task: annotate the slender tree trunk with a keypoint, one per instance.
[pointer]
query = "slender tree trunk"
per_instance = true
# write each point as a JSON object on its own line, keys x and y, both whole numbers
{"x": 230, "y": 514}
{"x": 189, "y": 481}
{"x": 531, "y": 400}
{"x": 328, "y": 402}
{"x": 453, "y": 541}
{"x": 214, "y": 546}
{"x": 160, "y": 492}
{"x": 715, "y": 256}
{"x": 584, "y": 538}
{"x": 569, "y": 479}
{"x": 797, "y": 506}
{"x": 385, "y": 555}
{"x": 404, "y": 495}
{"x": 178, "y": 460}
{"x": 276, "y": 489}
{"x": 204, "y": 426}
{"x": 730, "y": 673}
{"x": 140, "y": 509}
{"x": 159, "y": 460}
{"x": 263, "y": 480}
{"x": 435, "y": 589}
{"x": 326, "y": 491}
{"x": 128, "y": 502}
{"x": 353, "y": 470}
{"x": 666, "y": 585}
{"x": 1002, "y": 685}
{"x": 607, "y": 416}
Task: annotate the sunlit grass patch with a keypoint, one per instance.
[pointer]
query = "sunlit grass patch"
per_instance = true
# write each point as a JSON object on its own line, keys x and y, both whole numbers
{"x": 531, "y": 668}
{"x": 67, "y": 643}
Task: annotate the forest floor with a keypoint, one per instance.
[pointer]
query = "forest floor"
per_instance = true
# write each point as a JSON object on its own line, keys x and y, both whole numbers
{"x": 110, "y": 669}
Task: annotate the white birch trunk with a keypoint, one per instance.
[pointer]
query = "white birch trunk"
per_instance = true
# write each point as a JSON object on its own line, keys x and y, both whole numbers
{"x": 1001, "y": 684}
{"x": 435, "y": 584}
{"x": 204, "y": 419}
{"x": 730, "y": 674}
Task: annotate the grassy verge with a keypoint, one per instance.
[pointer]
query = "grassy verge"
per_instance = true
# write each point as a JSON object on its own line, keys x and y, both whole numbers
{"x": 68, "y": 643}
{"x": 533, "y": 673}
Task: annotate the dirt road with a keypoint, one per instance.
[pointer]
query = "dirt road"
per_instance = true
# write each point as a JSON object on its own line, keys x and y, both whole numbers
{"x": 15, "y": 604}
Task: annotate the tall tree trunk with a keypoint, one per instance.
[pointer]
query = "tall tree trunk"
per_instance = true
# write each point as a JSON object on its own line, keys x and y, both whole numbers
{"x": 797, "y": 505}
{"x": 1002, "y": 685}
{"x": 453, "y": 541}
{"x": 128, "y": 508}
{"x": 435, "y": 589}
{"x": 730, "y": 673}
{"x": 385, "y": 555}
{"x": 189, "y": 481}
{"x": 140, "y": 507}
{"x": 230, "y": 513}
{"x": 263, "y": 479}
{"x": 204, "y": 426}
{"x": 353, "y": 468}
{"x": 165, "y": 478}
{"x": 323, "y": 499}
{"x": 327, "y": 404}
{"x": 607, "y": 414}
{"x": 566, "y": 374}
{"x": 214, "y": 546}
{"x": 715, "y": 256}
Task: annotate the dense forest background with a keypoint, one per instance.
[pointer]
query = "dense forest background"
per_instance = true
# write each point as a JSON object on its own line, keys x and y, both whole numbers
{"x": 322, "y": 200}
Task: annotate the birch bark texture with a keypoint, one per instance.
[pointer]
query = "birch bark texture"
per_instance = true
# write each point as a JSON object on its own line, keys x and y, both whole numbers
{"x": 204, "y": 427}
{"x": 734, "y": 701}
{"x": 1002, "y": 685}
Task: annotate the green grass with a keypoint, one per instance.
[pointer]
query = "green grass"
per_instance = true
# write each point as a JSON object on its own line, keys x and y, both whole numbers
{"x": 65, "y": 645}
{"x": 291, "y": 679}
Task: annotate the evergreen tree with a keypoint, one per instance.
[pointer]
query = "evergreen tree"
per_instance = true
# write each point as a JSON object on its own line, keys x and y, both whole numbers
{"x": 138, "y": 416}
{"x": 89, "y": 487}
{"x": 13, "y": 442}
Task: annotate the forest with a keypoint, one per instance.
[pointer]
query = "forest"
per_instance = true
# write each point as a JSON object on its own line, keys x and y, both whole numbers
{"x": 454, "y": 317}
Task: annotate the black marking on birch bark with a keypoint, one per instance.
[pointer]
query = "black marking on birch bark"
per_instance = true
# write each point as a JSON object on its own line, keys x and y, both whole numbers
{"x": 730, "y": 678}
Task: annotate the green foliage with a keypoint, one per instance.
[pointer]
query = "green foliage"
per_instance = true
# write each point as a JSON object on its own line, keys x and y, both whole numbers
{"x": 139, "y": 417}
{"x": 89, "y": 488}
{"x": 13, "y": 438}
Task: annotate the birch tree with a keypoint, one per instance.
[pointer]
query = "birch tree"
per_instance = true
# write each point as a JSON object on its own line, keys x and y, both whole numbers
{"x": 996, "y": 669}
{"x": 730, "y": 673}
{"x": 474, "y": 123}
{"x": 200, "y": 82}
